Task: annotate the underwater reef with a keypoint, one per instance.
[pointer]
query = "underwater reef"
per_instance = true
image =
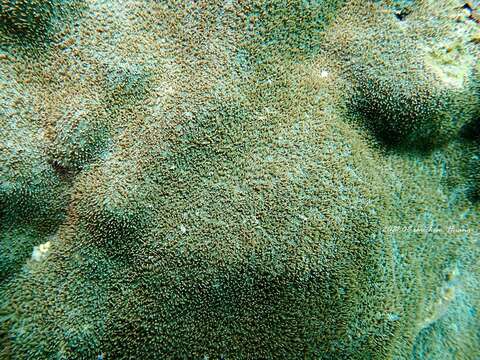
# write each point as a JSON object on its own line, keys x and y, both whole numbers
{"x": 229, "y": 179}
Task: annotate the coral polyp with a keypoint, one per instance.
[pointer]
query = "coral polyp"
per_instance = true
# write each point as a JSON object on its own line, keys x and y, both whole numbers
{"x": 34, "y": 20}
{"x": 239, "y": 180}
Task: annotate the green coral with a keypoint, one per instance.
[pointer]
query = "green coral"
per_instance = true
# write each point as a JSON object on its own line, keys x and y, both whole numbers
{"x": 412, "y": 85}
{"x": 33, "y": 20}
{"x": 209, "y": 179}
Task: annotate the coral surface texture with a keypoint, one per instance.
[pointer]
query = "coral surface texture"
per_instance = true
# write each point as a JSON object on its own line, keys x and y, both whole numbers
{"x": 240, "y": 179}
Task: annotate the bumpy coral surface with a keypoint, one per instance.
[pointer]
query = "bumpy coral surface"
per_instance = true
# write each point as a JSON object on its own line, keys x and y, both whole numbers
{"x": 239, "y": 179}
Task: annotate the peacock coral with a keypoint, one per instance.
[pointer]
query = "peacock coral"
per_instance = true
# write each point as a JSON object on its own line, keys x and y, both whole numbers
{"x": 238, "y": 180}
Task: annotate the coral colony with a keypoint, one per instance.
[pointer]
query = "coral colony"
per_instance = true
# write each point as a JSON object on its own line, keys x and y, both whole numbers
{"x": 229, "y": 179}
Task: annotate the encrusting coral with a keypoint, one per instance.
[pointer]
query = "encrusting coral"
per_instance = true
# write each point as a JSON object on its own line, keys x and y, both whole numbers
{"x": 238, "y": 180}
{"x": 33, "y": 20}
